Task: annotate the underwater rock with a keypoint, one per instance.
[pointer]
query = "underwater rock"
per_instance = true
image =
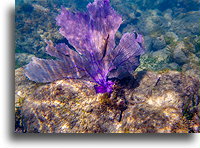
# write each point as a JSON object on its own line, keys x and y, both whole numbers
{"x": 148, "y": 42}
{"x": 171, "y": 37}
{"x": 186, "y": 24}
{"x": 166, "y": 4}
{"x": 173, "y": 66}
{"x": 196, "y": 120}
{"x": 198, "y": 52}
{"x": 161, "y": 55}
{"x": 22, "y": 59}
{"x": 192, "y": 69}
{"x": 152, "y": 23}
{"x": 178, "y": 55}
{"x": 159, "y": 43}
{"x": 168, "y": 14}
{"x": 155, "y": 61}
{"x": 164, "y": 102}
{"x": 33, "y": 27}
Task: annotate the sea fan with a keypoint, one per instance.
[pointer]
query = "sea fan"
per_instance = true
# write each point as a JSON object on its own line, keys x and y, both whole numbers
{"x": 95, "y": 58}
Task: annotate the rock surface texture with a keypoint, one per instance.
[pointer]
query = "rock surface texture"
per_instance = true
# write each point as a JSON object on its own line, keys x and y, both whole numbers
{"x": 150, "y": 102}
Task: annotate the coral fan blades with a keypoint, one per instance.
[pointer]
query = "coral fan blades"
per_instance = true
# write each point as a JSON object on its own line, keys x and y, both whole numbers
{"x": 92, "y": 34}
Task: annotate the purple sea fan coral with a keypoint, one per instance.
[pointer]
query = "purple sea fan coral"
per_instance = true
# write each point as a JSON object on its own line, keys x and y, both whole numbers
{"x": 92, "y": 34}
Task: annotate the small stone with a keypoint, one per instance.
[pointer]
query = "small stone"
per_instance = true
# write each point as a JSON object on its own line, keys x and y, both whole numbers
{"x": 161, "y": 55}
{"x": 132, "y": 15}
{"x": 172, "y": 36}
{"x": 159, "y": 43}
{"x": 168, "y": 15}
{"x": 178, "y": 54}
{"x": 173, "y": 66}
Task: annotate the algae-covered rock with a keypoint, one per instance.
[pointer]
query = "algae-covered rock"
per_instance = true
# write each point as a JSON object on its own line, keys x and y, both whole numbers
{"x": 159, "y": 43}
{"x": 186, "y": 24}
{"x": 153, "y": 23}
{"x": 151, "y": 102}
{"x": 178, "y": 54}
{"x": 156, "y": 61}
{"x": 22, "y": 59}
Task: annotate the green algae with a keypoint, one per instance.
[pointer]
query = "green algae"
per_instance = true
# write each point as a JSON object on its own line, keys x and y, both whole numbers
{"x": 170, "y": 41}
{"x": 152, "y": 63}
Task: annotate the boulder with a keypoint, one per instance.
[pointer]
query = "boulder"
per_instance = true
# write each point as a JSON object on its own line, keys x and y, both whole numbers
{"x": 147, "y": 102}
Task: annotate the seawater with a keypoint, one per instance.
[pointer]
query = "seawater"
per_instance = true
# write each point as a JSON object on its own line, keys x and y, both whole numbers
{"x": 171, "y": 29}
